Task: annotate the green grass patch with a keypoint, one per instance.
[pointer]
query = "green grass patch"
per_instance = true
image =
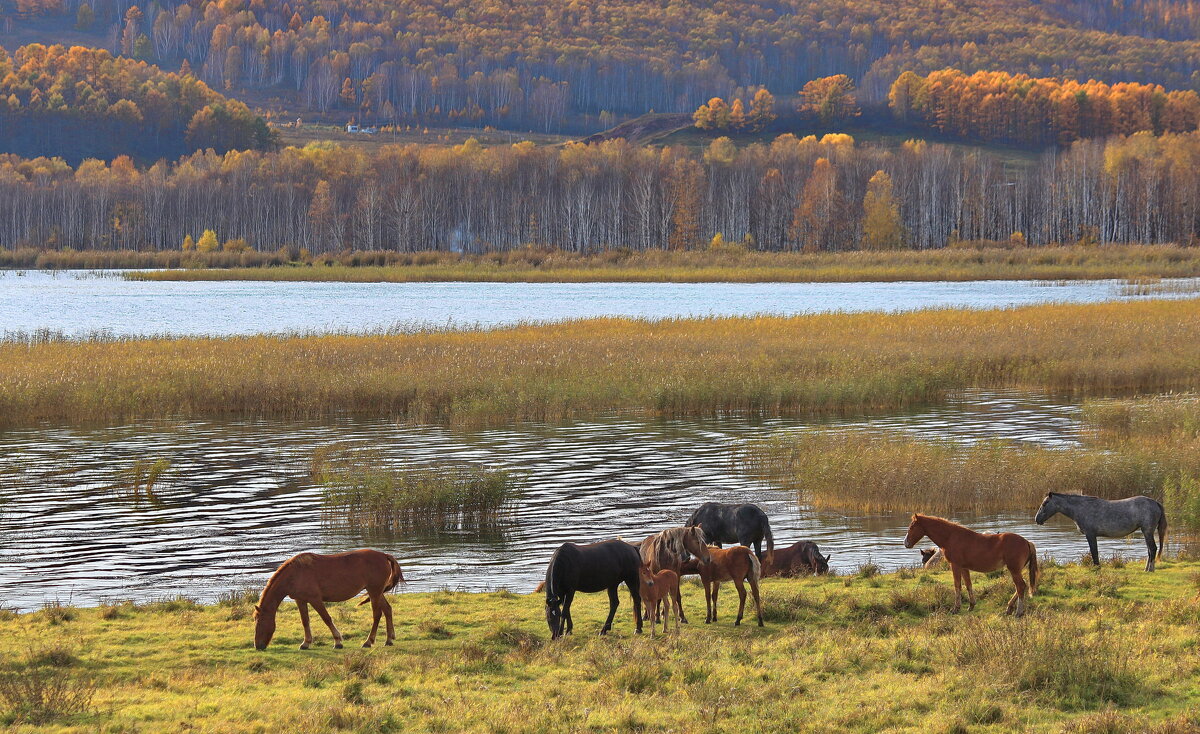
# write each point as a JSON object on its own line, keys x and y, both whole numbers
{"x": 838, "y": 653}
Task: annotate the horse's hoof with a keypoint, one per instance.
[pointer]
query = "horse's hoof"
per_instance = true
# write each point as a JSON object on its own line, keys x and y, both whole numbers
{"x": 388, "y": 643}
{"x": 366, "y": 644}
{"x": 737, "y": 623}
{"x": 304, "y": 646}
{"x": 337, "y": 646}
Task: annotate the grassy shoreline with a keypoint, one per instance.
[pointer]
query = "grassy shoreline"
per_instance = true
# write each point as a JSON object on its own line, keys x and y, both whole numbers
{"x": 823, "y": 363}
{"x": 726, "y": 264}
{"x": 1103, "y": 650}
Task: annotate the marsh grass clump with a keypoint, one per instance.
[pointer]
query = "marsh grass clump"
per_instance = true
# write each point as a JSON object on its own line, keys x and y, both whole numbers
{"x": 138, "y": 482}
{"x": 361, "y": 487}
{"x": 874, "y": 471}
{"x": 42, "y": 687}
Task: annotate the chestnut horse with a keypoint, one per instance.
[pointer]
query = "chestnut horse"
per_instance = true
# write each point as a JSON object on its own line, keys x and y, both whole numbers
{"x": 669, "y": 549}
{"x": 312, "y": 578}
{"x": 798, "y": 559}
{"x": 656, "y": 588}
{"x": 966, "y": 551}
{"x": 737, "y": 564}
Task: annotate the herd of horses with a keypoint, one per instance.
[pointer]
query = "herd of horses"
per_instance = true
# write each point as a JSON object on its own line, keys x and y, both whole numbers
{"x": 651, "y": 568}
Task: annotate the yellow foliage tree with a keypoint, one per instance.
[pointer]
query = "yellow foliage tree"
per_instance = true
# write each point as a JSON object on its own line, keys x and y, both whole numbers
{"x": 208, "y": 241}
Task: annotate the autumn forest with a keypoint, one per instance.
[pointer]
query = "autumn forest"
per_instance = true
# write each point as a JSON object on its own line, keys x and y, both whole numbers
{"x": 817, "y": 126}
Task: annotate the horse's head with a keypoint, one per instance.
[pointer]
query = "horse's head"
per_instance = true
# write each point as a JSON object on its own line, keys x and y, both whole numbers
{"x": 646, "y": 576}
{"x": 821, "y": 563}
{"x": 1050, "y": 506}
{"x": 264, "y": 628}
{"x": 926, "y": 554}
{"x": 915, "y": 532}
{"x": 696, "y": 544}
{"x": 554, "y": 616}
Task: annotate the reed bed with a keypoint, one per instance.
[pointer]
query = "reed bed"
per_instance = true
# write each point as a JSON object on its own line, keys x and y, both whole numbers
{"x": 826, "y": 363}
{"x": 36, "y": 259}
{"x": 361, "y": 488}
{"x": 721, "y": 264}
{"x": 1130, "y": 446}
{"x": 875, "y": 472}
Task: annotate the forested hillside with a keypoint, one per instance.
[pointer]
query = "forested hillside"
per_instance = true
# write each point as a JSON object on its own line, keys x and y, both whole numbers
{"x": 794, "y": 194}
{"x": 546, "y": 63}
{"x": 78, "y": 102}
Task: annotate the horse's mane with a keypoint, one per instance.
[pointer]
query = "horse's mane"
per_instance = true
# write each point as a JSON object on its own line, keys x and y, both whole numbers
{"x": 300, "y": 559}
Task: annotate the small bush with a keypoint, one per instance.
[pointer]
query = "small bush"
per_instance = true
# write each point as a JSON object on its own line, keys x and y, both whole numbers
{"x": 434, "y": 630}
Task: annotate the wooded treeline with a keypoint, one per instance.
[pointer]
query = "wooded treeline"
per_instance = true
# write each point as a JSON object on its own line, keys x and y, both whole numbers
{"x": 792, "y": 194}
{"x": 79, "y": 102}
{"x": 542, "y": 63}
{"x": 1015, "y": 107}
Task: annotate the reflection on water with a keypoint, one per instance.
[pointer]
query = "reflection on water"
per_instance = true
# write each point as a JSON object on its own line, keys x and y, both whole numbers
{"x": 78, "y": 303}
{"x": 238, "y": 501}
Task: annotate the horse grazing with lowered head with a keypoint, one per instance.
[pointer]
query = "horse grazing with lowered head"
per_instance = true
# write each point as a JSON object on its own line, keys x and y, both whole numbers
{"x": 591, "y": 568}
{"x": 966, "y": 551}
{"x": 743, "y": 524}
{"x": 659, "y": 588}
{"x": 670, "y": 549}
{"x": 1095, "y": 516}
{"x": 931, "y": 557}
{"x": 798, "y": 559}
{"x": 312, "y": 578}
{"x": 737, "y": 564}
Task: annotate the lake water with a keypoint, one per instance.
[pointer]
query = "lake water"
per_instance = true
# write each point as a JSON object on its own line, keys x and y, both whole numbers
{"x": 237, "y": 501}
{"x": 81, "y": 302}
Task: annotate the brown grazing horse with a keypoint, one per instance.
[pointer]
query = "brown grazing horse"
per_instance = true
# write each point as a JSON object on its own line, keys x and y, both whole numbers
{"x": 966, "y": 551}
{"x": 737, "y": 564}
{"x": 669, "y": 549}
{"x": 798, "y": 559}
{"x": 656, "y": 588}
{"x": 312, "y": 578}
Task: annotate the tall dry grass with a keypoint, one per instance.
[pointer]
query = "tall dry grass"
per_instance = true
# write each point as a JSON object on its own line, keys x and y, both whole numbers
{"x": 883, "y": 472}
{"x": 722, "y": 264}
{"x": 828, "y": 363}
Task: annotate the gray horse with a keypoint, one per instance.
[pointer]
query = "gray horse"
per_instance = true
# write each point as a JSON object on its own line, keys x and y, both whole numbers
{"x": 1110, "y": 519}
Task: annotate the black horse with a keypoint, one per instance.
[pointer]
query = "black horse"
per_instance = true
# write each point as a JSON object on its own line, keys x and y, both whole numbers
{"x": 742, "y": 524}
{"x": 591, "y": 568}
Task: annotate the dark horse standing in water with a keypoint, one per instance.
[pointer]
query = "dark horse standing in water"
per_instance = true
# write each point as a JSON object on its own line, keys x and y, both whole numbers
{"x": 591, "y": 568}
{"x": 1095, "y": 516}
{"x": 742, "y": 524}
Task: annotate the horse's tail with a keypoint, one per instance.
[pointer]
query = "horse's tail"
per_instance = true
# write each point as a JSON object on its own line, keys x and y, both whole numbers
{"x": 755, "y": 568}
{"x": 770, "y": 539}
{"x": 1034, "y": 573}
{"x": 1162, "y": 532}
{"x": 395, "y": 576}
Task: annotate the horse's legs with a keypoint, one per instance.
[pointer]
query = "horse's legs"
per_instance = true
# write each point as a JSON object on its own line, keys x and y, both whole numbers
{"x": 1091, "y": 539}
{"x": 387, "y": 615}
{"x": 716, "y": 588}
{"x": 707, "y": 600}
{"x": 613, "y": 602}
{"x": 970, "y": 591}
{"x": 678, "y": 603}
{"x": 757, "y": 602}
{"x": 376, "y": 613}
{"x": 567, "y": 611}
{"x": 741, "y": 590}
{"x": 957, "y": 587}
{"x": 1151, "y": 548}
{"x": 321, "y": 610}
{"x": 1017, "y": 602}
{"x": 308, "y": 638}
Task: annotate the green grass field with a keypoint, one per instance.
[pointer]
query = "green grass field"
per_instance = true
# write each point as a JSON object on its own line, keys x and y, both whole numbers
{"x": 1111, "y": 649}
